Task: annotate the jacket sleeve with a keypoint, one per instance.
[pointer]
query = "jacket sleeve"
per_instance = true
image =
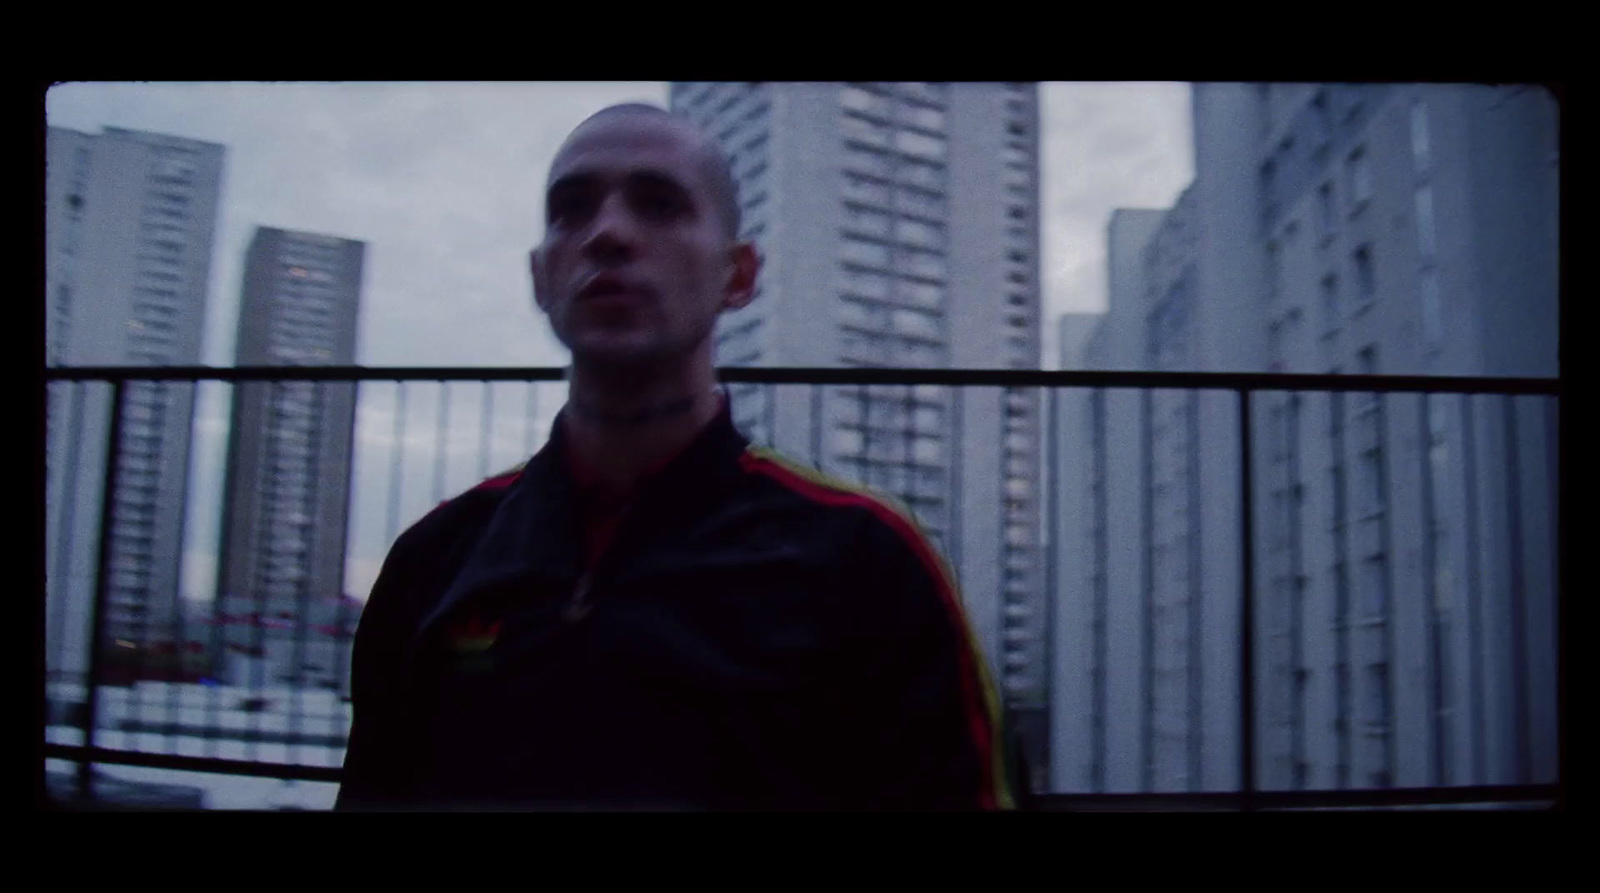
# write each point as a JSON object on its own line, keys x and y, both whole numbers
{"x": 377, "y": 769}
{"x": 932, "y": 735}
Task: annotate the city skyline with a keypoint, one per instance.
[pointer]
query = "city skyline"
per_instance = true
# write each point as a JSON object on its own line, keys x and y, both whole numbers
{"x": 390, "y": 165}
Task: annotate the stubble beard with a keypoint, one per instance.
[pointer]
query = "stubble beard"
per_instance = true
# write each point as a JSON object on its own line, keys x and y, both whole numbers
{"x": 636, "y": 361}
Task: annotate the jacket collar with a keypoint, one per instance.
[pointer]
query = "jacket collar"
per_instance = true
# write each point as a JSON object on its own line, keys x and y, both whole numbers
{"x": 535, "y": 531}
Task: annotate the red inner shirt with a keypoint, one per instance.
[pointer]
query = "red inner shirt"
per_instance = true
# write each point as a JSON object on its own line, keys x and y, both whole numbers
{"x": 600, "y": 516}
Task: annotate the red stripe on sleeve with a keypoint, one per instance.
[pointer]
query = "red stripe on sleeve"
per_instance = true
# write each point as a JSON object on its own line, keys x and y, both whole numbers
{"x": 977, "y": 714}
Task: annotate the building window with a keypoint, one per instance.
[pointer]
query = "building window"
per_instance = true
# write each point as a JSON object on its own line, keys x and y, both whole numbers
{"x": 1372, "y": 484}
{"x": 1269, "y": 194}
{"x": 1421, "y": 151}
{"x": 1426, "y": 244}
{"x": 1378, "y": 695}
{"x": 923, "y": 203}
{"x": 847, "y": 441}
{"x": 867, "y": 222}
{"x": 924, "y": 91}
{"x": 1366, "y": 279}
{"x": 867, "y": 132}
{"x": 863, "y": 252}
{"x": 1360, "y": 179}
{"x": 866, "y": 283}
{"x": 1336, "y": 490}
{"x": 920, "y": 145}
{"x": 1367, "y": 360}
{"x": 1016, "y": 535}
{"x": 866, "y": 161}
{"x": 1321, "y": 124}
{"x": 922, "y": 294}
{"x": 1325, "y": 211}
{"x": 928, "y": 175}
{"x": 1432, "y": 313}
{"x": 919, "y": 234}
{"x": 913, "y": 323}
{"x": 1375, "y": 587}
{"x": 862, "y": 99}
{"x": 1354, "y": 98}
{"x": 918, "y": 262}
{"x": 1330, "y": 302}
{"x": 923, "y": 117}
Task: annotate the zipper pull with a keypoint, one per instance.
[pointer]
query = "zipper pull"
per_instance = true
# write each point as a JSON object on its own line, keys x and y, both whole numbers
{"x": 578, "y": 607}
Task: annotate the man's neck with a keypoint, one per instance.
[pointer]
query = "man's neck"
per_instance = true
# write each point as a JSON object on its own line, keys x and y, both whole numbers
{"x": 620, "y": 429}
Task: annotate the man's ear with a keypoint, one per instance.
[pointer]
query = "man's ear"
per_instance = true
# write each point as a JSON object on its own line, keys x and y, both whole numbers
{"x": 741, "y": 288}
{"x": 540, "y": 293}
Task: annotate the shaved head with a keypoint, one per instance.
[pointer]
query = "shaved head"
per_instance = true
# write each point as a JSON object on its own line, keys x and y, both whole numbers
{"x": 712, "y": 162}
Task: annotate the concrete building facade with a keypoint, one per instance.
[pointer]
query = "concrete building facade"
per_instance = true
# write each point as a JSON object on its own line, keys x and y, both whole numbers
{"x": 1404, "y": 547}
{"x": 130, "y": 218}
{"x": 290, "y": 446}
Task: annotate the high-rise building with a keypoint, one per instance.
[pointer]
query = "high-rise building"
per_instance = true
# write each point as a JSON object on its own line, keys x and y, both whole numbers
{"x": 129, "y": 221}
{"x": 898, "y": 228}
{"x": 289, "y": 454}
{"x": 1404, "y": 547}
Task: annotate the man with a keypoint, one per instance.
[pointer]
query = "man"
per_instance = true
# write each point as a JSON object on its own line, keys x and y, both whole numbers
{"x": 651, "y": 613}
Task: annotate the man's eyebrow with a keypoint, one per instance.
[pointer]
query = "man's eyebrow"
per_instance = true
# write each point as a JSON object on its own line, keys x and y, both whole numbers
{"x": 655, "y": 178}
{"x": 574, "y": 180}
{"x": 588, "y": 179}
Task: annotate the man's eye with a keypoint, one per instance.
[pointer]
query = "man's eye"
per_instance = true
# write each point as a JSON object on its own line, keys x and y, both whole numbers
{"x": 564, "y": 209}
{"x": 658, "y": 205}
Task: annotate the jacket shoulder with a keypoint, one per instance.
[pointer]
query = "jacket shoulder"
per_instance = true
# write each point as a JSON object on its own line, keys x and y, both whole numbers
{"x": 463, "y": 512}
{"x": 881, "y": 513}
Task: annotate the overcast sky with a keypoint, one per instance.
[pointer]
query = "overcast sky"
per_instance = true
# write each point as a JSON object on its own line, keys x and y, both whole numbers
{"x": 443, "y": 182}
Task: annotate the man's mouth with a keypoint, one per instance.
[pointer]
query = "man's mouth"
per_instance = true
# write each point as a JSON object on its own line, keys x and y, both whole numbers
{"x": 606, "y": 286}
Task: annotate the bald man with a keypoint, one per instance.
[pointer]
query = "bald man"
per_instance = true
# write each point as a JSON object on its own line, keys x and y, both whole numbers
{"x": 651, "y": 613}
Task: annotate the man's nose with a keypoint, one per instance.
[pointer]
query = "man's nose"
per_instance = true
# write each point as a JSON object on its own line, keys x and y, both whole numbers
{"x": 611, "y": 235}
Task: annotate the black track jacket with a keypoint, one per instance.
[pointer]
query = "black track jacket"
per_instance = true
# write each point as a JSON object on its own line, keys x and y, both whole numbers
{"x": 757, "y": 636}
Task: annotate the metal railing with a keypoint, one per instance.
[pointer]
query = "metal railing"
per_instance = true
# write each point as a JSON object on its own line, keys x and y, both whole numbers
{"x": 1243, "y": 385}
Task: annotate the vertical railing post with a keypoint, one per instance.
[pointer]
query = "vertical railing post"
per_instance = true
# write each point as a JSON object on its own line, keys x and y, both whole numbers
{"x": 441, "y": 444}
{"x": 1553, "y": 461}
{"x": 1247, "y": 731}
{"x": 1521, "y": 693}
{"x": 816, "y": 426}
{"x": 486, "y": 436}
{"x": 1054, "y": 550}
{"x": 769, "y": 398}
{"x": 102, "y": 585}
{"x": 957, "y": 396}
{"x": 399, "y": 460}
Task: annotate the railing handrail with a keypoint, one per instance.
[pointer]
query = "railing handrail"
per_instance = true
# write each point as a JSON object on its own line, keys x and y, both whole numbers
{"x": 1247, "y": 797}
{"x": 856, "y": 375}
{"x": 1347, "y": 798}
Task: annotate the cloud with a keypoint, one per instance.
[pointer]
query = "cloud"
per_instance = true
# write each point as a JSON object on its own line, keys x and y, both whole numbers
{"x": 1105, "y": 146}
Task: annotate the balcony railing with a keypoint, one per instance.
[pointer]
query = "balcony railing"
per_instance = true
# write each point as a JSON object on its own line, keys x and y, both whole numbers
{"x": 804, "y": 428}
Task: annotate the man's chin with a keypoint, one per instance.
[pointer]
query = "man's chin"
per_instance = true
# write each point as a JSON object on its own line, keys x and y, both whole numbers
{"x": 621, "y": 356}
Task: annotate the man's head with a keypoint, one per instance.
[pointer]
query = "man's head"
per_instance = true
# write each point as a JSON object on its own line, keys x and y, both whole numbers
{"x": 641, "y": 250}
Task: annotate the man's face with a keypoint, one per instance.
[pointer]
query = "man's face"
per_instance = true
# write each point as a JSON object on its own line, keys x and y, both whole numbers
{"x": 636, "y": 262}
